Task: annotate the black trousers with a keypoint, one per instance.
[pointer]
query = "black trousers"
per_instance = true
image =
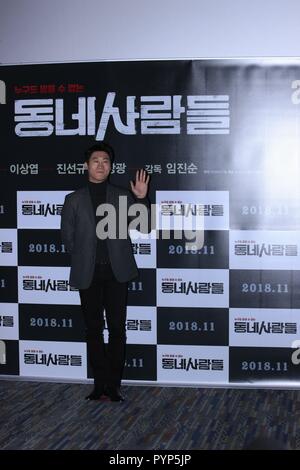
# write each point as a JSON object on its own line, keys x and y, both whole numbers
{"x": 105, "y": 292}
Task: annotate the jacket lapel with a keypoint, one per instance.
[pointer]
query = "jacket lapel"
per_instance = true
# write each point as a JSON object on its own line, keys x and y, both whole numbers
{"x": 87, "y": 203}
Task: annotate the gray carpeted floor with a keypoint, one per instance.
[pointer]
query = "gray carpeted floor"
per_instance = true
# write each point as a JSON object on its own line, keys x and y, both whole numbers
{"x": 55, "y": 416}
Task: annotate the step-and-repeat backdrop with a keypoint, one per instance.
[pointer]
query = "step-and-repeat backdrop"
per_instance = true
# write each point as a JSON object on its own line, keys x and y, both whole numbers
{"x": 221, "y": 140}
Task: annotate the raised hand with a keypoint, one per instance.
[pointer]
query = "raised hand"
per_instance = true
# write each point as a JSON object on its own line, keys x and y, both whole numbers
{"x": 140, "y": 186}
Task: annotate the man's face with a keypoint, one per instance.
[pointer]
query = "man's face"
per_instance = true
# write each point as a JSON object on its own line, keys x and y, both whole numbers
{"x": 98, "y": 166}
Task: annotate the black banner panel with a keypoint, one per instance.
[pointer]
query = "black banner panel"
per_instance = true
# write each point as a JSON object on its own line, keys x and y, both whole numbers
{"x": 192, "y": 326}
{"x": 217, "y": 299}
{"x": 41, "y": 248}
{"x": 51, "y": 322}
{"x": 264, "y": 364}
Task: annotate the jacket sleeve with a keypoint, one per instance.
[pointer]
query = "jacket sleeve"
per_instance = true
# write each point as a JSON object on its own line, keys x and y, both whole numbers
{"x": 67, "y": 225}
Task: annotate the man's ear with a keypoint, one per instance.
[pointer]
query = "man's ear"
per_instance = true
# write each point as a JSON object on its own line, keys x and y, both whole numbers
{"x": 85, "y": 165}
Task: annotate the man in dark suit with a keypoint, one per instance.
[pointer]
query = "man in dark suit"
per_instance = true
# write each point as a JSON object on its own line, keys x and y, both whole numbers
{"x": 101, "y": 267}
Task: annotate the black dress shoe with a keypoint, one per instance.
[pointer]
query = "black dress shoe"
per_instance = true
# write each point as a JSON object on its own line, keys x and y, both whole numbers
{"x": 114, "y": 394}
{"x": 96, "y": 394}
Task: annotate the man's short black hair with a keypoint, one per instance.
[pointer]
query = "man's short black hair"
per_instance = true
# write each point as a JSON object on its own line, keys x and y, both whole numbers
{"x": 99, "y": 147}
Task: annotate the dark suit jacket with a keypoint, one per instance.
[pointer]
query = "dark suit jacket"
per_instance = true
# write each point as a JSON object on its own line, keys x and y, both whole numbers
{"x": 78, "y": 230}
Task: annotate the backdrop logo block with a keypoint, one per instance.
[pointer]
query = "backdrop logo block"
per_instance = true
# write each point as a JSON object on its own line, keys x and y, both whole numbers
{"x": 263, "y": 327}
{"x": 53, "y": 359}
{"x": 8, "y": 247}
{"x": 144, "y": 248}
{"x": 43, "y": 285}
{"x": 9, "y": 321}
{"x": 140, "y": 325}
{"x": 9, "y": 357}
{"x": 264, "y": 250}
{"x": 195, "y": 210}
{"x": 40, "y": 209}
{"x": 192, "y": 288}
{"x": 192, "y": 364}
